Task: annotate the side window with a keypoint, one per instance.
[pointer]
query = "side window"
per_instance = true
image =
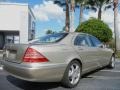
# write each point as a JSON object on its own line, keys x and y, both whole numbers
{"x": 81, "y": 40}
{"x": 95, "y": 41}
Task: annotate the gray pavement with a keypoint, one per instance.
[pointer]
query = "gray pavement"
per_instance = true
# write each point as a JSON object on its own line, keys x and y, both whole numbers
{"x": 1, "y": 54}
{"x": 104, "y": 79}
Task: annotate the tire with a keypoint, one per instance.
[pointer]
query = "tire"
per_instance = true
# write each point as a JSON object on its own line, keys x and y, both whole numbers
{"x": 112, "y": 62}
{"x": 72, "y": 75}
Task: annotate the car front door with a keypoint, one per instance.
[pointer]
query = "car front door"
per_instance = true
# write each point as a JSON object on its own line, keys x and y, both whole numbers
{"x": 87, "y": 53}
{"x": 103, "y": 54}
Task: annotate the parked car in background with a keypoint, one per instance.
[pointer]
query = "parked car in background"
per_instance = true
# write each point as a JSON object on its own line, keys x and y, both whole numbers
{"x": 60, "y": 57}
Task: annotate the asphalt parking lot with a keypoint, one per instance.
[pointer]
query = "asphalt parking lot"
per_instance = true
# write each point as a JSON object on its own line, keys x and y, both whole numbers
{"x": 104, "y": 79}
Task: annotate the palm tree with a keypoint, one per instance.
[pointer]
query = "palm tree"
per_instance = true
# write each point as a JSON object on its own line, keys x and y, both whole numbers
{"x": 72, "y": 9}
{"x": 98, "y": 4}
{"x": 67, "y": 23}
{"x": 65, "y": 3}
{"x": 82, "y": 5}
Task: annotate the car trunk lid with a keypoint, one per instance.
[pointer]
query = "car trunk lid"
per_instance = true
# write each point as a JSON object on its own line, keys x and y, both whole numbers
{"x": 14, "y": 52}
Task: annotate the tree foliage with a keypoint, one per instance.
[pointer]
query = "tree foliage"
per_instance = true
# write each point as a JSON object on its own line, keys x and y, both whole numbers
{"x": 49, "y": 32}
{"x": 97, "y": 28}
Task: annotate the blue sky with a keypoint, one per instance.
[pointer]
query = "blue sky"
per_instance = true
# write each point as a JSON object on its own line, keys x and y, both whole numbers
{"x": 55, "y": 24}
{"x": 51, "y": 16}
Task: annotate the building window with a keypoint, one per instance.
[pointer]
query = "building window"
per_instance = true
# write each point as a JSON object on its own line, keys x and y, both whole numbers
{"x": 16, "y": 39}
{"x": 33, "y": 25}
{"x": 9, "y": 39}
{"x": 33, "y": 30}
{"x": 12, "y": 39}
{"x": 29, "y": 28}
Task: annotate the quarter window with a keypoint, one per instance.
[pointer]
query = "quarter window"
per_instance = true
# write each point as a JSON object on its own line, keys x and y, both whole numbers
{"x": 95, "y": 41}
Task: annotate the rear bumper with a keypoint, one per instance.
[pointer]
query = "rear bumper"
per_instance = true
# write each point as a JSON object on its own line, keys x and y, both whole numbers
{"x": 35, "y": 73}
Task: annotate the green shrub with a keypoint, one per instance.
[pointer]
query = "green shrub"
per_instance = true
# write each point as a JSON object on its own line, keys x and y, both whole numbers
{"x": 97, "y": 28}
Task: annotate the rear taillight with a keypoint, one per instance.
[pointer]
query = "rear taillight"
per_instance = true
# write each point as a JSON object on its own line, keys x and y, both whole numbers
{"x": 33, "y": 56}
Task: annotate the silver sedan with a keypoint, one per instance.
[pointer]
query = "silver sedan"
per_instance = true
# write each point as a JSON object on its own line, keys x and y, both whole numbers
{"x": 60, "y": 57}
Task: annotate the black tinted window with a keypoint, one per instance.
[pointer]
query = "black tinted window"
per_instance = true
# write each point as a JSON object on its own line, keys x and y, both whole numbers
{"x": 81, "y": 40}
{"x": 95, "y": 41}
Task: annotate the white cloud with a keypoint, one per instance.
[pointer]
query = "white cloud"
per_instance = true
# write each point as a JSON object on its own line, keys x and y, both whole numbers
{"x": 48, "y": 10}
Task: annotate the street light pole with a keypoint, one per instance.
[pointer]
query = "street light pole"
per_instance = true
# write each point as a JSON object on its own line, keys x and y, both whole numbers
{"x": 116, "y": 24}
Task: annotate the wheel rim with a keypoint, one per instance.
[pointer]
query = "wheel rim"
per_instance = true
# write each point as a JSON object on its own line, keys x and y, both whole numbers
{"x": 113, "y": 62}
{"x": 74, "y": 74}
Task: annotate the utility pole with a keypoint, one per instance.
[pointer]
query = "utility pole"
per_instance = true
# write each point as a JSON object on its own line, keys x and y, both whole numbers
{"x": 116, "y": 32}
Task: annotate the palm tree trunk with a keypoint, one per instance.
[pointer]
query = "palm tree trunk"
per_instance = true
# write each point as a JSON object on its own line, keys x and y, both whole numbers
{"x": 67, "y": 22}
{"x": 72, "y": 16}
{"x": 115, "y": 25}
{"x": 100, "y": 13}
{"x": 81, "y": 14}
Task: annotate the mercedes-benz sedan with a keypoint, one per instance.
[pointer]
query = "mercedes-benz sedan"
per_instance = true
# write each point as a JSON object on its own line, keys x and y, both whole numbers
{"x": 60, "y": 57}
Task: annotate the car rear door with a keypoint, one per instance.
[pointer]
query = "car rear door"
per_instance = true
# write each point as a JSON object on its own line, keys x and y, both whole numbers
{"x": 88, "y": 54}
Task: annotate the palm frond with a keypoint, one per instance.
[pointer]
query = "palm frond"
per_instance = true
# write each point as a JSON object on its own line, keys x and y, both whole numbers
{"x": 79, "y": 1}
{"x": 108, "y": 7}
{"x": 91, "y": 7}
{"x": 87, "y": 7}
{"x": 92, "y": 2}
{"x": 58, "y": 3}
{"x": 94, "y": 8}
{"x": 108, "y": 1}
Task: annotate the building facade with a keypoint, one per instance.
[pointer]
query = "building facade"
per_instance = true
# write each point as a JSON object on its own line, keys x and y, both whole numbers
{"x": 17, "y": 23}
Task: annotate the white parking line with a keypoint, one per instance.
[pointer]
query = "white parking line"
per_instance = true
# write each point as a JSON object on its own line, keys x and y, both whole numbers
{"x": 103, "y": 77}
{"x": 117, "y": 60}
{"x": 111, "y": 71}
{"x": 1, "y": 68}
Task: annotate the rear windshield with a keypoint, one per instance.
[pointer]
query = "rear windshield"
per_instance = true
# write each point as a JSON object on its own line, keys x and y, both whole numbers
{"x": 50, "y": 38}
